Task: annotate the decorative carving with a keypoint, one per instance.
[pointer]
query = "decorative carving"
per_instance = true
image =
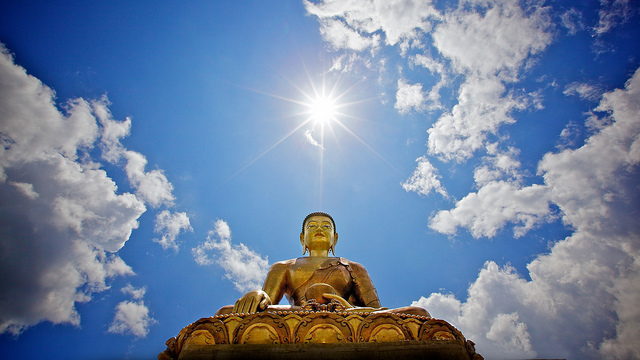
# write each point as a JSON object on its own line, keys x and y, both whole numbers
{"x": 267, "y": 328}
{"x": 330, "y": 327}
{"x": 333, "y": 306}
{"x": 312, "y": 327}
{"x": 200, "y": 337}
{"x": 383, "y": 327}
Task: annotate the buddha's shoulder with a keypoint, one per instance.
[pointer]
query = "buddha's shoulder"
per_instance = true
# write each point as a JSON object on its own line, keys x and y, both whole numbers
{"x": 350, "y": 263}
{"x": 283, "y": 265}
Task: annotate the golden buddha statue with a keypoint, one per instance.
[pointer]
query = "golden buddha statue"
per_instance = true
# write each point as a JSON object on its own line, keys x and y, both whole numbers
{"x": 333, "y": 301}
{"x": 318, "y": 277}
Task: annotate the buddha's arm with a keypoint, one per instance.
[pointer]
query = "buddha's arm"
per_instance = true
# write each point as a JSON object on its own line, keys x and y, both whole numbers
{"x": 275, "y": 285}
{"x": 271, "y": 293}
{"x": 364, "y": 291}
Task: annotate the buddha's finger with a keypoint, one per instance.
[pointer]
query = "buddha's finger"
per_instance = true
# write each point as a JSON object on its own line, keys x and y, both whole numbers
{"x": 251, "y": 306}
{"x": 263, "y": 304}
{"x": 243, "y": 306}
{"x": 237, "y": 306}
{"x": 248, "y": 305}
{"x": 342, "y": 301}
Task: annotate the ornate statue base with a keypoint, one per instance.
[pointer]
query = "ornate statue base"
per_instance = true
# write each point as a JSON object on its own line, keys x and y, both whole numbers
{"x": 322, "y": 331}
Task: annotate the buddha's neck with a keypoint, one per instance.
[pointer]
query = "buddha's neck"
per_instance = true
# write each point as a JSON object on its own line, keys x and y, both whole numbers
{"x": 319, "y": 253}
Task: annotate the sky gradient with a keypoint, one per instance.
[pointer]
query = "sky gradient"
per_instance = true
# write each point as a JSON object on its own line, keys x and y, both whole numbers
{"x": 481, "y": 160}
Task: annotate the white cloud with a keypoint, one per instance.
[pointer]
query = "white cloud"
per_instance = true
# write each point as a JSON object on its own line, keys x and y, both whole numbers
{"x": 480, "y": 111}
{"x": 398, "y": 19}
{"x": 132, "y": 317}
{"x": 245, "y": 268}
{"x": 572, "y": 21}
{"x": 499, "y": 165}
{"x": 62, "y": 218}
{"x": 612, "y": 13}
{"x": 511, "y": 334}
{"x": 428, "y": 62}
{"x": 424, "y": 179}
{"x": 151, "y": 186}
{"x": 170, "y": 226}
{"x": 343, "y": 37}
{"x": 581, "y": 301}
{"x": 309, "y": 137}
{"x": 492, "y": 207}
{"x": 409, "y": 97}
{"x": 135, "y": 293}
{"x": 489, "y": 42}
{"x": 433, "y": 97}
{"x": 585, "y": 91}
{"x": 488, "y": 38}
{"x": 26, "y": 189}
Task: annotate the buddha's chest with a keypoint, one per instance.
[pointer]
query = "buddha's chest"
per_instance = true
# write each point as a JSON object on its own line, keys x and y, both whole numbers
{"x": 303, "y": 275}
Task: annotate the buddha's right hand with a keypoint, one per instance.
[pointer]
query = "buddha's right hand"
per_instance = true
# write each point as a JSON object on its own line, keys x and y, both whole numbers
{"x": 252, "y": 302}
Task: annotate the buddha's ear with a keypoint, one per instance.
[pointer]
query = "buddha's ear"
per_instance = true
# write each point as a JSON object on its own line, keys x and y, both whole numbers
{"x": 335, "y": 241}
{"x": 304, "y": 247}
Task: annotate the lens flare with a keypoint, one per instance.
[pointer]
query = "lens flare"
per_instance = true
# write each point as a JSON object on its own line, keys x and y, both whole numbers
{"x": 323, "y": 109}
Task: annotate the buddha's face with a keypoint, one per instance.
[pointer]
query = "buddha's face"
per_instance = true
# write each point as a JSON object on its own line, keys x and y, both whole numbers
{"x": 318, "y": 234}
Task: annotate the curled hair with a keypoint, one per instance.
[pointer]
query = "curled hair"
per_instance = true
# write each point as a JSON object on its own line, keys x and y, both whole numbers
{"x": 319, "y": 214}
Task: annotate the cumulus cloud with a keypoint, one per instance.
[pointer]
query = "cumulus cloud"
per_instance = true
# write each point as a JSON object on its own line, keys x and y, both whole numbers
{"x": 135, "y": 293}
{"x": 499, "y": 165}
{"x": 170, "y": 226}
{"x": 151, "y": 186}
{"x": 62, "y": 218}
{"x": 492, "y": 207}
{"x": 486, "y": 38}
{"x": 245, "y": 268}
{"x": 488, "y": 42}
{"x": 425, "y": 178}
{"x": 342, "y": 36}
{"x": 482, "y": 109}
{"x": 132, "y": 317}
{"x": 409, "y": 97}
{"x": 587, "y": 285}
{"x": 398, "y": 19}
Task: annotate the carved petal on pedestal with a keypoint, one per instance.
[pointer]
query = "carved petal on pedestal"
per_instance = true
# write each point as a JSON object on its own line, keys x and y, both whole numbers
{"x": 200, "y": 337}
{"x": 216, "y": 328}
{"x": 443, "y": 335}
{"x": 439, "y": 330}
{"x": 260, "y": 334}
{"x": 321, "y": 327}
{"x": 383, "y": 328}
{"x": 262, "y": 328}
{"x": 323, "y": 334}
{"x": 386, "y": 333}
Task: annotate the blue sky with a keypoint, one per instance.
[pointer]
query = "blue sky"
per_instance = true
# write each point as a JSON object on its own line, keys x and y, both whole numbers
{"x": 481, "y": 161}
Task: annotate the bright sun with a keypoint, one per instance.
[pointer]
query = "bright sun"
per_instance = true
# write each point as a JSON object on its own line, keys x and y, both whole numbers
{"x": 323, "y": 109}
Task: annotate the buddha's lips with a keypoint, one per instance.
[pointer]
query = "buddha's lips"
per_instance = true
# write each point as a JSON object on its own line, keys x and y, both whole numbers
{"x": 320, "y": 234}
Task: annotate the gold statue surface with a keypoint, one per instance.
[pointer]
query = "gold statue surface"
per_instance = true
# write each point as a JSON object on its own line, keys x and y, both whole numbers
{"x": 318, "y": 277}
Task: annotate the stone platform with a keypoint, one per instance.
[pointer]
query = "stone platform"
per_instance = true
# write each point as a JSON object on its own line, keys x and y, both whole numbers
{"x": 319, "y": 333}
{"x": 400, "y": 350}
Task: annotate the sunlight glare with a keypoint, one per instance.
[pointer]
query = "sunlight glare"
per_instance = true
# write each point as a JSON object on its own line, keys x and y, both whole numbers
{"x": 322, "y": 109}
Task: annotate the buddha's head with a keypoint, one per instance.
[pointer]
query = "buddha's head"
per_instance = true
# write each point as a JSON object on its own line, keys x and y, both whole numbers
{"x": 318, "y": 233}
